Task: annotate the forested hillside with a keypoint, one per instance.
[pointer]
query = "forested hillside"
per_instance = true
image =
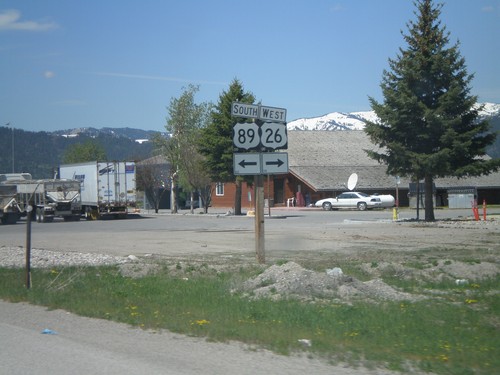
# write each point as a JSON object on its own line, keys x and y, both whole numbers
{"x": 40, "y": 153}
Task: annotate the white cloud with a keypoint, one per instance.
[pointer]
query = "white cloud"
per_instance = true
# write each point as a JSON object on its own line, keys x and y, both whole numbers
{"x": 159, "y": 78}
{"x": 10, "y": 20}
{"x": 70, "y": 103}
{"x": 494, "y": 9}
{"x": 335, "y": 8}
{"x": 48, "y": 74}
{"x": 488, "y": 9}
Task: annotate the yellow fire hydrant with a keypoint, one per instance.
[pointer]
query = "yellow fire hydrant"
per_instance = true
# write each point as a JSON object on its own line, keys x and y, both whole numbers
{"x": 395, "y": 215}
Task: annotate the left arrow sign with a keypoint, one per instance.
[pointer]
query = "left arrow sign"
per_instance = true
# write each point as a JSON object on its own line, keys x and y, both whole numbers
{"x": 246, "y": 164}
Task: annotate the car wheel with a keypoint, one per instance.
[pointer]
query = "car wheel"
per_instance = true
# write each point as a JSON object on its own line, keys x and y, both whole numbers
{"x": 362, "y": 206}
{"x": 327, "y": 206}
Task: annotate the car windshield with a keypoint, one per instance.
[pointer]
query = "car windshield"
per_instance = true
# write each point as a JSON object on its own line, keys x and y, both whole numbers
{"x": 363, "y": 194}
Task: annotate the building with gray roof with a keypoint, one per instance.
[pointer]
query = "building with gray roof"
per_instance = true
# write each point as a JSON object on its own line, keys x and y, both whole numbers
{"x": 320, "y": 163}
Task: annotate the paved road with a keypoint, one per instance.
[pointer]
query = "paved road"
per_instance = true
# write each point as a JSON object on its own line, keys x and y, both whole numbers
{"x": 91, "y": 346}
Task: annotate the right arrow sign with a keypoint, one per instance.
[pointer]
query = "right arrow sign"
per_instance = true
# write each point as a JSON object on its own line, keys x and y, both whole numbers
{"x": 274, "y": 163}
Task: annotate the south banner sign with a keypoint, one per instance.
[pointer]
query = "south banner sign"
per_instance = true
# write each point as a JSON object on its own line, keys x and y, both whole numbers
{"x": 260, "y": 112}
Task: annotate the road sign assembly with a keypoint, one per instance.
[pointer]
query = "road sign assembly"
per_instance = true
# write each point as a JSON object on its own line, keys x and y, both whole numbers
{"x": 267, "y": 133}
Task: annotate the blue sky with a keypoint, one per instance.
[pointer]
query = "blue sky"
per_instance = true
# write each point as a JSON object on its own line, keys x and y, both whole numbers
{"x": 66, "y": 64}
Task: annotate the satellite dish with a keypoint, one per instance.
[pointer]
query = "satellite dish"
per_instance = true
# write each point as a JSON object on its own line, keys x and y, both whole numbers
{"x": 352, "y": 181}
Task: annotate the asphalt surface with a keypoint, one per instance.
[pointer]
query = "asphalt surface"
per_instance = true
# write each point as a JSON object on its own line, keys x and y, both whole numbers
{"x": 77, "y": 345}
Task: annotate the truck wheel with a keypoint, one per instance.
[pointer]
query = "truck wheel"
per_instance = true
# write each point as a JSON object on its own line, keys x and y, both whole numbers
{"x": 9, "y": 218}
{"x": 91, "y": 213}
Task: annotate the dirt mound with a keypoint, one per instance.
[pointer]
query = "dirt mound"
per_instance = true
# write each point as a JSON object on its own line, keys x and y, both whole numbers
{"x": 291, "y": 280}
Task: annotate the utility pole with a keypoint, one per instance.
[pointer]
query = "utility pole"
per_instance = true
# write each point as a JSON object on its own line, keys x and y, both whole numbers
{"x": 8, "y": 124}
{"x": 13, "y": 169}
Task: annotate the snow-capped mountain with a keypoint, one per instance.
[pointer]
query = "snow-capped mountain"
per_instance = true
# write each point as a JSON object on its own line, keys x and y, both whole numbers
{"x": 356, "y": 120}
{"x": 333, "y": 121}
{"x": 137, "y": 135}
{"x": 490, "y": 110}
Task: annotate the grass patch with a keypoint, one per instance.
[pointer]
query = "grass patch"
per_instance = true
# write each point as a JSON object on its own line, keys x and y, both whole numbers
{"x": 458, "y": 334}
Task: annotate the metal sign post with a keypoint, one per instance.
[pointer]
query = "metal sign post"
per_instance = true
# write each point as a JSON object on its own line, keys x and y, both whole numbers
{"x": 28, "y": 246}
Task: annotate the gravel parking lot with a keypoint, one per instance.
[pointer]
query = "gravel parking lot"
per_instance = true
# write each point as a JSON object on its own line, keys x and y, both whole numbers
{"x": 289, "y": 234}
{"x": 310, "y": 238}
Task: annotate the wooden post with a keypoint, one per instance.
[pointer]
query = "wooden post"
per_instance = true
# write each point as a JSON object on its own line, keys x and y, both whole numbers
{"x": 259, "y": 219}
{"x": 484, "y": 209}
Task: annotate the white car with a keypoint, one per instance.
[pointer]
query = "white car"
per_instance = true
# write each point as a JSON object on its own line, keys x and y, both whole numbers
{"x": 387, "y": 200}
{"x": 350, "y": 199}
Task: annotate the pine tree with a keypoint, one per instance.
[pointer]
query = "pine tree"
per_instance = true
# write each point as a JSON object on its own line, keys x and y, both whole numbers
{"x": 217, "y": 139}
{"x": 429, "y": 124}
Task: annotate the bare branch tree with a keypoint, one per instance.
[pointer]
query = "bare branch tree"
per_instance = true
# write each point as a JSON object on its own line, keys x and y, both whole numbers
{"x": 152, "y": 178}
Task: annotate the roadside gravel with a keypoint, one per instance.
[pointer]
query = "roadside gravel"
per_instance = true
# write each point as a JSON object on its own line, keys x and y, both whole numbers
{"x": 40, "y": 258}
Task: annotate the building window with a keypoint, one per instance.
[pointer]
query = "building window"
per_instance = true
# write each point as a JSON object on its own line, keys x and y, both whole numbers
{"x": 219, "y": 189}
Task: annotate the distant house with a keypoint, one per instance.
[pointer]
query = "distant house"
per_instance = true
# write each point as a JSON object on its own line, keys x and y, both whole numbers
{"x": 320, "y": 163}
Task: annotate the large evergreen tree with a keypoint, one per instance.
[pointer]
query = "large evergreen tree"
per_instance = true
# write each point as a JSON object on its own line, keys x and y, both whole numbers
{"x": 429, "y": 124}
{"x": 217, "y": 140}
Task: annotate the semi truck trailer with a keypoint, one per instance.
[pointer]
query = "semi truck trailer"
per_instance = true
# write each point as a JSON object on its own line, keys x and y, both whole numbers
{"x": 10, "y": 212}
{"x": 49, "y": 198}
{"x": 107, "y": 188}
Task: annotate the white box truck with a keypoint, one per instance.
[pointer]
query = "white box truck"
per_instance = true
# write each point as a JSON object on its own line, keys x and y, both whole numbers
{"x": 107, "y": 188}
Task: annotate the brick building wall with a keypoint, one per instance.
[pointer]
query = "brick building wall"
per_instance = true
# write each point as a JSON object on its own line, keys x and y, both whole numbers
{"x": 277, "y": 191}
